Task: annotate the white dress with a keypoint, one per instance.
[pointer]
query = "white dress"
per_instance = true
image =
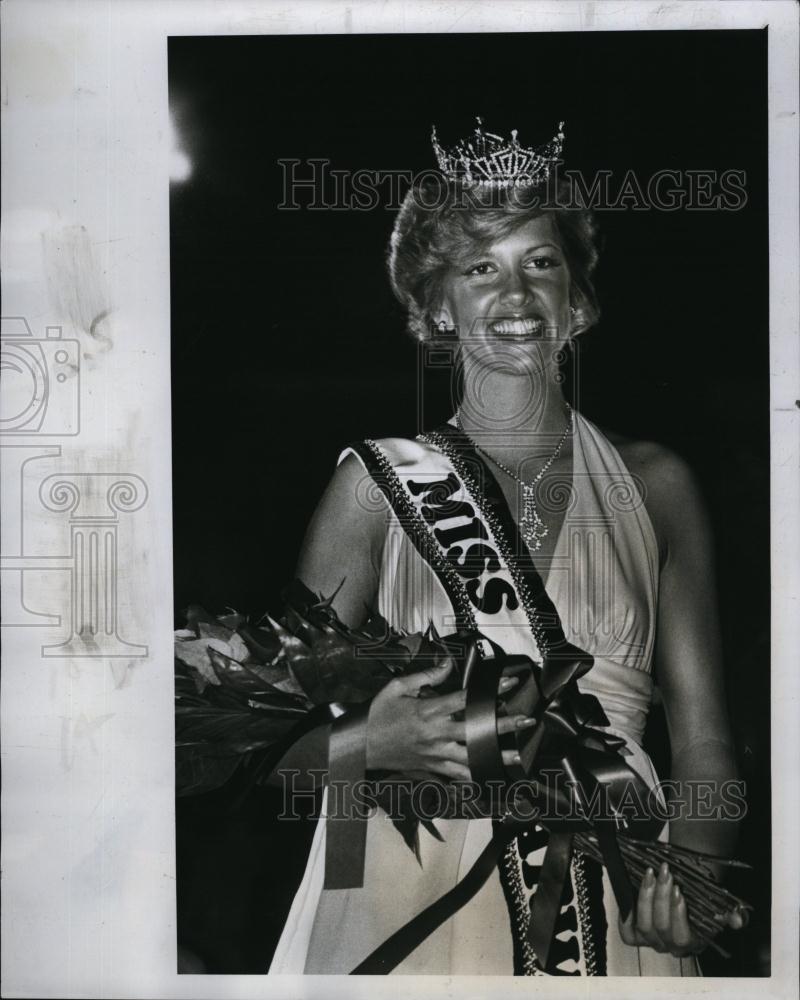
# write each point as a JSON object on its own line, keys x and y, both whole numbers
{"x": 603, "y": 581}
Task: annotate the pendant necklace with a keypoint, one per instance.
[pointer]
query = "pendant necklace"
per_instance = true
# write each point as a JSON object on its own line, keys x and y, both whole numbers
{"x": 532, "y": 527}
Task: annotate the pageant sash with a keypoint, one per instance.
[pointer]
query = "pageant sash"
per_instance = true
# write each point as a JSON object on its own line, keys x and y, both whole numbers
{"x": 465, "y": 540}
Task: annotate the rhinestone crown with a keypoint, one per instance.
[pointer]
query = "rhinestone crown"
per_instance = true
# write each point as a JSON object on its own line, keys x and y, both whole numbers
{"x": 489, "y": 160}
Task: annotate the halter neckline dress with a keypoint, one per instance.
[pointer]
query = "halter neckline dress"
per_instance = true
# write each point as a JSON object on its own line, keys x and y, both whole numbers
{"x": 603, "y": 581}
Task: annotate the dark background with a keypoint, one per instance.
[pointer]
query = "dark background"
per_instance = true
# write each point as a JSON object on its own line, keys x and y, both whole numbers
{"x": 287, "y": 344}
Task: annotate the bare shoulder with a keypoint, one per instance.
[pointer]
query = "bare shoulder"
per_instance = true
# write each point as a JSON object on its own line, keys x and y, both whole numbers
{"x": 349, "y": 498}
{"x": 671, "y": 493}
{"x": 341, "y": 551}
{"x": 660, "y": 468}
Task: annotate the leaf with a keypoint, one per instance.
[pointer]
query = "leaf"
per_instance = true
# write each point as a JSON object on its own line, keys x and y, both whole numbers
{"x": 431, "y": 633}
{"x": 233, "y": 620}
{"x": 299, "y": 596}
{"x": 262, "y": 645}
{"x": 234, "y": 674}
{"x": 325, "y": 602}
{"x": 297, "y": 657}
{"x": 431, "y": 828}
{"x": 195, "y": 614}
{"x": 239, "y": 650}
{"x": 334, "y": 671}
{"x": 276, "y": 676}
{"x": 189, "y": 684}
{"x": 194, "y": 653}
{"x": 213, "y": 630}
{"x": 222, "y": 732}
{"x": 242, "y": 680}
{"x": 411, "y": 642}
{"x": 290, "y": 686}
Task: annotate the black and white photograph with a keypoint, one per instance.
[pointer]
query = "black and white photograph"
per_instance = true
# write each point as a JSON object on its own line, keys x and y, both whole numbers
{"x": 400, "y": 531}
{"x": 514, "y": 393}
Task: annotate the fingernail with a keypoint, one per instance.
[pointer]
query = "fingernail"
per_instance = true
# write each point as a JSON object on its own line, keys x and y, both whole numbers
{"x": 524, "y": 721}
{"x": 676, "y": 893}
{"x": 508, "y": 682}
{"x": 517, "y": 759}
{"x": 649, "y": 878}
{"x": 663, "y": 871}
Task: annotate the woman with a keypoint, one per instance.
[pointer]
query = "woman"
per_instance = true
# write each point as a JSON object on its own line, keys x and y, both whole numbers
{"x": 516, "y": 484}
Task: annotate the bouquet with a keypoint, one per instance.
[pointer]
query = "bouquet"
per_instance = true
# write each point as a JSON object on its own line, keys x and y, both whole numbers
{"x": 245, "y": 693}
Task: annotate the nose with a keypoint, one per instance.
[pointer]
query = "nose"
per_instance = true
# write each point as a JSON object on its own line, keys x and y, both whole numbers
{"x": 515, "y": 291}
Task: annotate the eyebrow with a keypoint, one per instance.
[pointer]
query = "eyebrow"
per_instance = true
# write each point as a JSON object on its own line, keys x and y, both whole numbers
{"x": 541, "y": 246}
{"x": 472, "y": 256}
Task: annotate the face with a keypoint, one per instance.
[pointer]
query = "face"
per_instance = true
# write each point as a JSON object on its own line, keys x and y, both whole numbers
{"x": 513, "y": 299}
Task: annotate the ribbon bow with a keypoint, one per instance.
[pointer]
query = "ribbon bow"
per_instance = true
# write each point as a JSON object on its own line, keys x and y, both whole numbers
{"x": 567, "y": 744}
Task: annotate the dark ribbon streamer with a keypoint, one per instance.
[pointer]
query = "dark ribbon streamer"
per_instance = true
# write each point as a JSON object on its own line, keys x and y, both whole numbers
{"x": 397, "y": 947}
{"x": 346, "y": 834}
{"x": 480, "y": 717}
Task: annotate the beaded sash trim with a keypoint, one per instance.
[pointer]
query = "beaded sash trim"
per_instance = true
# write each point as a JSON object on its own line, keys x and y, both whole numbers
{"x": 485, "y": 490}
{"x": 578, "y": 947}
{"x": 387, "y": 480}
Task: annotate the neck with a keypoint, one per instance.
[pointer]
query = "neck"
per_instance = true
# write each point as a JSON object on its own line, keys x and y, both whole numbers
{"x": 513, "y": 414}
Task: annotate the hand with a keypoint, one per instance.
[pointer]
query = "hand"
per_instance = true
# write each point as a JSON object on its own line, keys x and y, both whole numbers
{"x": 406, "y": 732}
{"x": 660, "y": 919}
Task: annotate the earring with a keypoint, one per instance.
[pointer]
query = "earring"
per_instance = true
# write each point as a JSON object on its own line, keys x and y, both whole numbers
{"x": 442, "y": 331}
{"x": 577, "y": 322}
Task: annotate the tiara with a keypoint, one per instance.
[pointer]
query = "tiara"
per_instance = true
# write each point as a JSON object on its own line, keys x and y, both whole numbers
{"x": 489, "y": 160}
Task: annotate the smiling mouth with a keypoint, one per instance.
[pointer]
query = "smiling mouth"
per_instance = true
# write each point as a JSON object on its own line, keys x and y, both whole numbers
{"x": 522, "y": 327}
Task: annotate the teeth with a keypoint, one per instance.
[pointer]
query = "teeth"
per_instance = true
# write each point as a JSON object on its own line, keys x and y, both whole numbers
{"x": 515, "y": 327}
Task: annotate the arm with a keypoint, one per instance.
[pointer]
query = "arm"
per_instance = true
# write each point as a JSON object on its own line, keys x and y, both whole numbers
{"x": 404, "y": 732}
{"x": 344, "y": 539}
{"x": 688, "y": 664}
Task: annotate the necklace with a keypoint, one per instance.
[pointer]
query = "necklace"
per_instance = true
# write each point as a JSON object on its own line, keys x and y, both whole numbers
{"x": 531, "y": 525}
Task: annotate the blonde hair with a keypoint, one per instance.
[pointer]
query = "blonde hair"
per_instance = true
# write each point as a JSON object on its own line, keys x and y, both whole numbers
{"x": 437, "y": 228}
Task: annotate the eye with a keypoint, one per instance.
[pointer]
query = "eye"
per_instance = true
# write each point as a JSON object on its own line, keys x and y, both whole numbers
{"x": 542, "y": 262}
{"x": 484, "y": 267}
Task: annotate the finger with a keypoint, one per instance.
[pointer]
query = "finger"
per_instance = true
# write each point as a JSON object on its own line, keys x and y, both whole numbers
{"x": 452, "y": 769}
{"x": 449, "y": 750}
{"x": 448, "y": 729}
{"x": 682, "y": 936}
{"x": 644, "y": 903}
{"x": 627, "y": 930}
{"x": 444, "y": 704}
{"x": 644, "y": 912}
{"x": 737, "y": 919}
{"x": 511, "y": 723}
{"x": 506, "y": 683}
{"x": 453, "y": 731}
{"x": 662, "y": 905}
